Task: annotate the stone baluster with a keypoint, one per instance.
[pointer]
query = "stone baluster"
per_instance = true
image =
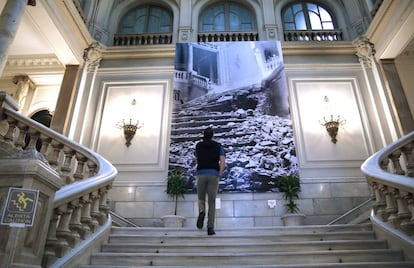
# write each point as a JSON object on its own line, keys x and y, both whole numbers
{"x": 86, "y": 216}
{"x": 390, "y": 209}
{"x": 395, "y": 159}
{"x": 66, "y": 167}
{"x": 95, "y": 214}
{"x": 409, "y": 158}
{"x": 380, "y": 203}
{"x": 45, "y": 142}
{"x": 49, "y": 255}
{"x": 75, "y": 224}
{"x": 9, "y": 137}
{"x": 55, "y": 154}
{"x": 103, "y": 204}
{"x": 33, "y": 136}
{"x": 63, "y": 232}
{"x": 409, "y": 225}
{"x": 93, "y": 168}
{"x": 79, "y": 173}
{"x": 403, "y": 211}
{"x": 20, "y": 142}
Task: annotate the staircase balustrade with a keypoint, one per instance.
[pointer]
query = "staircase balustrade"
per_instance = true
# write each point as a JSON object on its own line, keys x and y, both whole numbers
{"x": 80, "y": 209}
{"x": 390, "y": 173}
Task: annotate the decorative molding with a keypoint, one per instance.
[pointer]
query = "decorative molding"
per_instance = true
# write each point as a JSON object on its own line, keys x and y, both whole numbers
{"x": 365, "y": 51}
{"x": 36, "y": 63}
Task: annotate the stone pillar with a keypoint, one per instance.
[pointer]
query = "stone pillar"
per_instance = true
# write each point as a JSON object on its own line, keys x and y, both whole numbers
{"x": 378, "y": 106}
{"x": 92, "y": 58}
{"x": 9, "y": 23}
{"x": 397, "y": 96}
{"x": 24, "y": 246}
{"x": 24, "y": 84}
{"x": 64, "y": 105}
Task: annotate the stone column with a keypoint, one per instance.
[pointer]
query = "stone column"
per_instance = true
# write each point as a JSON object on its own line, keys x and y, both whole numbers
{"x": 24, "y": 84}
{"x": 397, "y": 95}
{"x": 378, "y": 106}
{"x": 64, "y": 105}
{"x": 9, "y": 23}
{"x": 82, "y": 115}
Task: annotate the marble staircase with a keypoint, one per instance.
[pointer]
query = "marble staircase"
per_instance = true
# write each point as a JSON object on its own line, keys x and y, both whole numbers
{"x": 351, "y": 245}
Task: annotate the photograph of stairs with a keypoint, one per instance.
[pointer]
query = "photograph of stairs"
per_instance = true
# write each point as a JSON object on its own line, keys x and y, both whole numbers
{"x": 351, "y": 245}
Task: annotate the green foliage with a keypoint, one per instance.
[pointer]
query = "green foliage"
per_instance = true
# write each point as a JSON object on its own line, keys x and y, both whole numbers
{"x": 176, "y": 186}
{"x": 290, "y": 186}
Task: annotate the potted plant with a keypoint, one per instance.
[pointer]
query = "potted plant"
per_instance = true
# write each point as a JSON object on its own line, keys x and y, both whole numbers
{"x": 289, "y": 184}
{"x": 175, "y": 189}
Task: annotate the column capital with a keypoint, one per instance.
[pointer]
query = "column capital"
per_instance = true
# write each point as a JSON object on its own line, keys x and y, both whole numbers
{"x": 365, "y": 51}
{"x": 25, "y": 79}
{"x": 92, "y": 55}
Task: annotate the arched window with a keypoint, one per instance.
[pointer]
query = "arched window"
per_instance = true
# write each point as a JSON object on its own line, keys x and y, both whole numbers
{"x": 307, "y": 16}
{"x": 228, "y": 16}
{"x": 146, "y": 19}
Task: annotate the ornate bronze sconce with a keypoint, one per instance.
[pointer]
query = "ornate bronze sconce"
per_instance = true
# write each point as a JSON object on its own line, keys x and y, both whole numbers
{"x": 129, "y": 128}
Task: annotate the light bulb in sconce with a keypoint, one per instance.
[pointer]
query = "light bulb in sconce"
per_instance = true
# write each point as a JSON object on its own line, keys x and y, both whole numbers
{"x": 129, "y": 127}
{"x": 332, "y": 123}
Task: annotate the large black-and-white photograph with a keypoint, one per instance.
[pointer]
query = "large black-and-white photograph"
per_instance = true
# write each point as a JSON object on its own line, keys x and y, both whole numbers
{"x": 239, "y": 89}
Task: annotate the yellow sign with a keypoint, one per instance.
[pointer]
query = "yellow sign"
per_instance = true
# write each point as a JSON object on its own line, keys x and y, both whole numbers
{"x": 20, "y": 207}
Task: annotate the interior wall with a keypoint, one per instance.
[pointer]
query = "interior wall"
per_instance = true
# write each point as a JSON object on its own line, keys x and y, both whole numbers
{"x": 405, "y": 67}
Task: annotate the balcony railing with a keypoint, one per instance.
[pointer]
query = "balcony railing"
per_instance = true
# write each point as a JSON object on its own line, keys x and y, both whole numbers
{"x": 142, "y": 39}
{"x": 390, "y": 174}
{"x": 312, "y": 35}
{"x": 227, "y": 36}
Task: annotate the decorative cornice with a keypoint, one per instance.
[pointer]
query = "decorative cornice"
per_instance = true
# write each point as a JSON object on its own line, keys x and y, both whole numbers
{"x": 28, "y": 62}
{"x": 317, "y": 48}
{"x": 139, "y": 52}
{"x": 288, "y": 48}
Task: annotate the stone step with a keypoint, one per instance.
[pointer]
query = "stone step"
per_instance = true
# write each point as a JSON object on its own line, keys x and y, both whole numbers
{"x": 247, "y": 231}
{"x": 256, "y": 258}
{"x": 221, "y": 237}
{"x": 140, "y": 247}
{"x": 308, "y": 265}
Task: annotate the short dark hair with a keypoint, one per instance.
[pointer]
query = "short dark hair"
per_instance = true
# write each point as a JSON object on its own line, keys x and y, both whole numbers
{"x": 208, "y": 134}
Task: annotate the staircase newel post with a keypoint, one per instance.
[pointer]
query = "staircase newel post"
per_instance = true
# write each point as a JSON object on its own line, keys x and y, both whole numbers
{"x": 18, "y": 171}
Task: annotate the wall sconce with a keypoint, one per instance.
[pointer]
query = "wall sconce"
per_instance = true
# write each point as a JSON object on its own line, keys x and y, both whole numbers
{"x": 332, "y": 124}
{"x": 129, "y": 128}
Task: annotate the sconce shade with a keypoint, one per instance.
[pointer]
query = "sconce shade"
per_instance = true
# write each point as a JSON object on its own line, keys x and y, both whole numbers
{"x": 129, "y": 133}
{"x": 332, "y": 126}
{"x": 129, "y": 130}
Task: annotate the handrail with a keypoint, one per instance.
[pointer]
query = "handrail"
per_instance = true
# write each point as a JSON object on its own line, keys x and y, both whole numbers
{"x": 80, "y": 209}
{"x": 389, "y": 173}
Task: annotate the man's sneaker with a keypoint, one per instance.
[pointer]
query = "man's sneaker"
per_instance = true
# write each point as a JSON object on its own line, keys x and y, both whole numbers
{"x": 210, "y": 231}
{"x": 200, "y": 220}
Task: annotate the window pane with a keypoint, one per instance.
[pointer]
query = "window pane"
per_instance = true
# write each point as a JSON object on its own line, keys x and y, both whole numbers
{"x": 328, "y": 26}
{"x": 288, "y": 17}
{"x": 300, "y": 21}
{"x": 312, "y": 8}
{"x": 226, "y": 17}
{"x": 324, "y": 15}
{"x": 219, "y": 22}
{"x": 297, "y": 8}
{"x": 146, "y": 19}
{"x": 315, "y": 21}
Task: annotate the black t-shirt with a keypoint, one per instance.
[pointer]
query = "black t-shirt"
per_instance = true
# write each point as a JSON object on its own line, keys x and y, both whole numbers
{"x": 208, "y": 155}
